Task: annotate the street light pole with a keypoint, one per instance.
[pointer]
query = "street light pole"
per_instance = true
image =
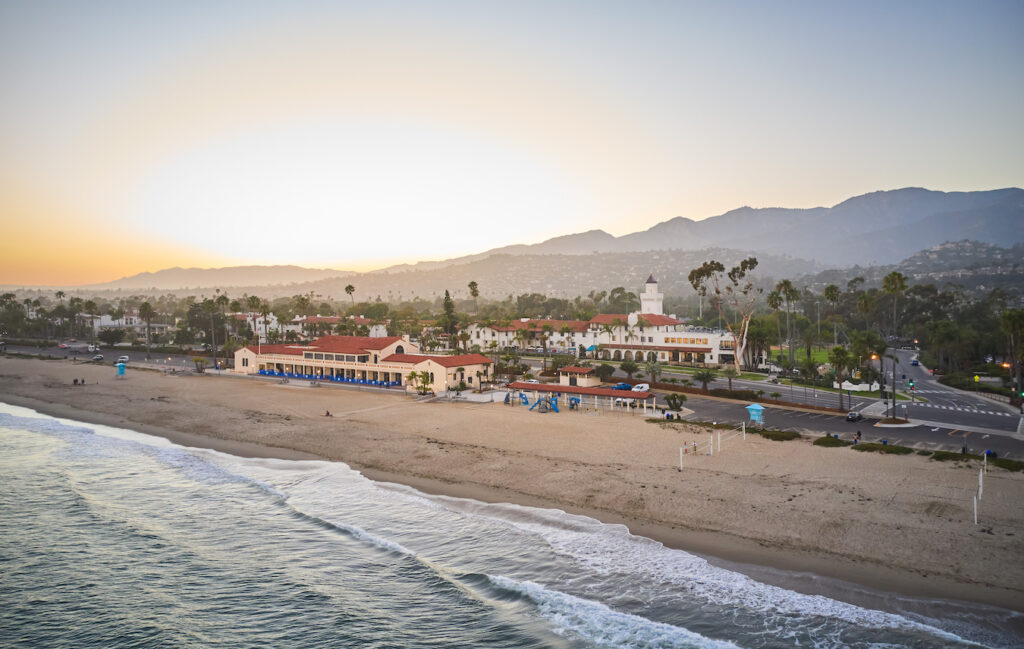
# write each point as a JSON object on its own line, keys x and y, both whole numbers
{"x": 817, "y": 306}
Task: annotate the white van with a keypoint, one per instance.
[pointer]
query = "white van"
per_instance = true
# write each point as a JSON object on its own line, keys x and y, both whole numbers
{"x": 123, "y": 359}
{"x": 642, "y": 387}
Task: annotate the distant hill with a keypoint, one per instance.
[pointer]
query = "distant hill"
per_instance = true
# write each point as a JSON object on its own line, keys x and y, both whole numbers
{"x": 880, "y": 228}
{"x": 971, "y": 264}
{"x": 177, "y": 278}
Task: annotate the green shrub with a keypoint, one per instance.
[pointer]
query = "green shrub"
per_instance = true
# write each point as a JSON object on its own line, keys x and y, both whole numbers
{"x": 946, "y": 456}
{"x": 1009, "y": 465}
{"x": 925, "y": 453}
{"x": 744, "y": 395}
{"x": 884, "y": 448}
{"x": 831, "y": 442}
{"x": 779, "y": 435}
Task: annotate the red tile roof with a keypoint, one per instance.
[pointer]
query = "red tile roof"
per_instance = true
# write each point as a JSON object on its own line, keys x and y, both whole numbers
{"x": 578, "y": 326}
{"x": 354, "y": 342}
{"x": 575, "y": 389}
{"x": 291, "y": 349}
{"x": 331, "y": 345}
{"x": 572, "y": 369}
{"x": 609, "y": 319}
{"x": 444, "y": 361}
{"x": 658, "y": 320}
{"x": 652, "y": 319}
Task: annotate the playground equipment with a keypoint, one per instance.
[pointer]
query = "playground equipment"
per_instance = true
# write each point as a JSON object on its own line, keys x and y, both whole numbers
{"x": 525, "y": 400}
{"x": 574, "y": 403}
{"x": 546, "y": 404}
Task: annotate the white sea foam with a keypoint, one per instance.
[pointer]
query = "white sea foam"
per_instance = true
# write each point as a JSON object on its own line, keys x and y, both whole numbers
{"x": 597, "y": 623}
{"x": 603, "y": 549}
{"x": 612, "y": 550}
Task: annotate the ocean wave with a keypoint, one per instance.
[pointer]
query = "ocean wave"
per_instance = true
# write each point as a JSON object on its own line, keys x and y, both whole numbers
{"x": 611, "y": 550}
{"x": 597, "y": 623}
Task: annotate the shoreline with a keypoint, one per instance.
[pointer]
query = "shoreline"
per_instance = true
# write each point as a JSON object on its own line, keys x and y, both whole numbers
{"x": 746, "y": 555}
{"x": 785, "y": 513}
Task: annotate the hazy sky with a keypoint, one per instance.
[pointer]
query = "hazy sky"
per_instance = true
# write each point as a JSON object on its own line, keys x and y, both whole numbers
{"x": 142, "y": 135}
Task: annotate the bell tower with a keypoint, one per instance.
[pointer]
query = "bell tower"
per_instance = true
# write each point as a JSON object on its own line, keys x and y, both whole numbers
{"x": 651, "y": 301}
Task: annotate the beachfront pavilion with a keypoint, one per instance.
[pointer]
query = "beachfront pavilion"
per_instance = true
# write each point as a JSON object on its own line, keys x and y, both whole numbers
{"x": 585, "y": 396}
{"x": 382, "y": 361}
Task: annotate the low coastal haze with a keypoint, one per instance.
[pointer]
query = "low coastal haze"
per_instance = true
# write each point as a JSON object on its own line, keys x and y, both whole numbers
{"x": 136, "y": 137}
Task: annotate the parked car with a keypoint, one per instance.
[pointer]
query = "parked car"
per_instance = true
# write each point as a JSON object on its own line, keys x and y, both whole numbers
{"x": 622, "y": 386}
{"x": 98, "y": 357}
{"x": 915, "y": 362}
{"x": 642, "y": 387}
{"x": 853, "y": 415}
{"x": 626, "y": 402}
{"x": 123, "y": 359}
{"x": 531, "y": 381}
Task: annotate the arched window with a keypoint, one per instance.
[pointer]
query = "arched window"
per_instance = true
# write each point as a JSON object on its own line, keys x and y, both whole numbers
{"x": 400, "y": 350}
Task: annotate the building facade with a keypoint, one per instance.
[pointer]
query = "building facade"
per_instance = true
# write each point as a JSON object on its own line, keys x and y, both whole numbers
{"x": 387, "y": 361}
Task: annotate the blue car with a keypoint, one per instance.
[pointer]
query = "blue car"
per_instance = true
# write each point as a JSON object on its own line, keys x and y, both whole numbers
{"x": 915, "y": 362}
{"x": 622, "y": 386}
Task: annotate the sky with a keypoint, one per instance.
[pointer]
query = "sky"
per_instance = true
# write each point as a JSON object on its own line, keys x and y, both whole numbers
{"x": 136, "y": 136}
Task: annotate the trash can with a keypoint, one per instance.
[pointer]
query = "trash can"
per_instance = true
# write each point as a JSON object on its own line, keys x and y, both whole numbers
{"x": 885, "y": 442}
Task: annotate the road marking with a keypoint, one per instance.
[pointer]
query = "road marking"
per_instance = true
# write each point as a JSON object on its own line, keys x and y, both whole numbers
{"x": 950, "y": 433}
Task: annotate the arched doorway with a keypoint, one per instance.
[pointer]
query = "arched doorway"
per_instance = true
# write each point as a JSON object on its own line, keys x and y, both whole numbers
{"x": 617, "y": 355}
{"x": 628, "y": 356}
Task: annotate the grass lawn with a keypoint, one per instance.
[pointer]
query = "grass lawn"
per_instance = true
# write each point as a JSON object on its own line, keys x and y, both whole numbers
{"x": 867, "y": 394}
{"x": 746, "y": 376}
{"x": 820, "y": 356}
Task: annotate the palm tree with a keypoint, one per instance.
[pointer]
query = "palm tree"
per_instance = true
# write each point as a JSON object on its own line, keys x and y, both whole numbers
{"x": 774, "y": 301}
{"x": 146, "y": 312}
{"x": 629, "y": 367}
{"x": 789, "y": 294}
{"x": 210, "y": 308}
{"x": 809, "y": 367}
{"x": 1012, "y": 324}
{"x": 895, "y": 284}
{"x": 730, "y": 373}
{"x": 653, "y": 369}
{"x": 840, "y": 360}
{"x": 90, "y": 308}
{"x": 474, "y": 292}
{"x": 264, "y": 314}
{"x": 865, "y": 305}
{"x": 675, "y": 401}
{"x": 831, "y": 295}
{"x": 544, "y": 337}
{"x": 705, "y": 376}
{"x": 350, "y": 290}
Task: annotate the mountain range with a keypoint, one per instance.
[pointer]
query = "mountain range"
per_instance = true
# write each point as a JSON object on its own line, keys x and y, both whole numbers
{"x": 876, "y": 229}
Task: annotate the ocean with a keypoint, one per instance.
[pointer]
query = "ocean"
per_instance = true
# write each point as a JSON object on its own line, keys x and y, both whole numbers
{"x": 112, "y": 538}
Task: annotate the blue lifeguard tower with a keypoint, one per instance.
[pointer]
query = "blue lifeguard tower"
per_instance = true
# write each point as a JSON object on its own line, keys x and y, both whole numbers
{"x": 756, "y": 411}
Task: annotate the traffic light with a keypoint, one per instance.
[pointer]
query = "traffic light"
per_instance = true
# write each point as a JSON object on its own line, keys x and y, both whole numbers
{"x": 911, "y": 383}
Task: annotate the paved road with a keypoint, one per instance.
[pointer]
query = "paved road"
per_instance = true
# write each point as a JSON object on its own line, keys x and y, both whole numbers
{"x": 177, "y": 361}
{"x": 934, "y": 438}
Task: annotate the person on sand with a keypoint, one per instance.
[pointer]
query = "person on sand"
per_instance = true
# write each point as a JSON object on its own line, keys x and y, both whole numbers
{"x": 328, "y": 414}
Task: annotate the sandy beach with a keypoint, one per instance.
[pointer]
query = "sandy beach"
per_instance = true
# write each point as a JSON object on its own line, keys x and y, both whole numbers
{"x": 901, "y": 524}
